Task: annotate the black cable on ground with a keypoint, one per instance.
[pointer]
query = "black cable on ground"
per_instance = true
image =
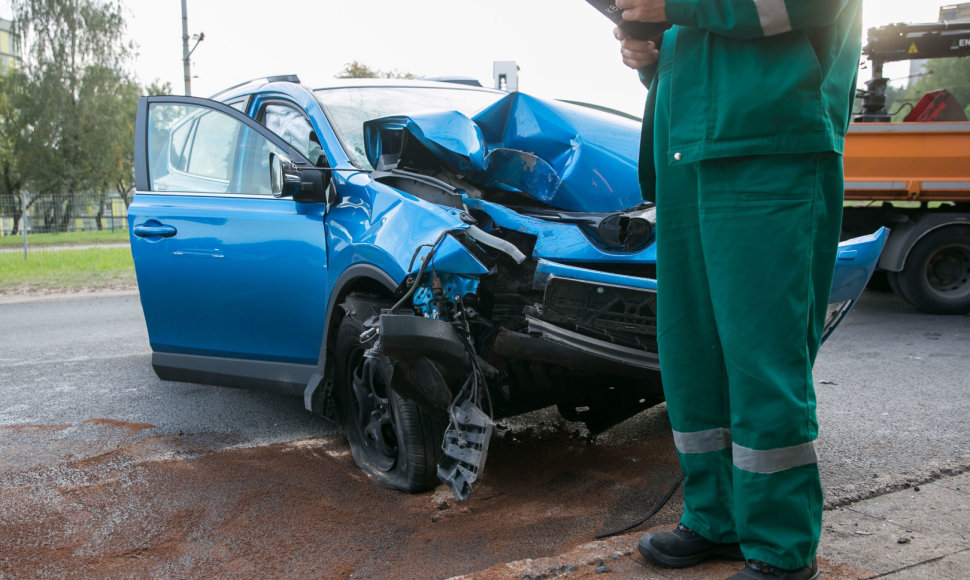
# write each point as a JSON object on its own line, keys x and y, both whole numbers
{"x": 652, "y": 513}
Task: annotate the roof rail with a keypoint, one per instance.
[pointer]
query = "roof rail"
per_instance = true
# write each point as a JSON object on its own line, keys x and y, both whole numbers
{"x": 268, "y": 79}
{"x": 283, "y": 79}
{"x": 472, "y": 82}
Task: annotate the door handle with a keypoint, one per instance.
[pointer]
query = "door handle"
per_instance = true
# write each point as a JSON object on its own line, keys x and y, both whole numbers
{"x": 155, "y": 230}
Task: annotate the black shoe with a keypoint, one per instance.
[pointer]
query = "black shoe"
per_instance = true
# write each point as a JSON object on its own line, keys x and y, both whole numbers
{"x": 755, "y": 570}
{"x": 682, "y": 548}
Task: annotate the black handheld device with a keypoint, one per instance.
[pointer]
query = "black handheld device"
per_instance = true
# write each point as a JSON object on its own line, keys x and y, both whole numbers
{"x": 638, "y": 30}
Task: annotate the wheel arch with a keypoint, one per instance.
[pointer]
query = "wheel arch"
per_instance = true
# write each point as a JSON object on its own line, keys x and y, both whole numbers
{"x": 364, "y": 279}
{"x": 904, "y": 238}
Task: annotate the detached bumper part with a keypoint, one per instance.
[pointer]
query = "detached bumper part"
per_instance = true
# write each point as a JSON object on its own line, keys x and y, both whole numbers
{"x": 428, "y": 354}
{"x": 404, "y": 336}
{"x": 465, "y": 448}
{"x": 834, "y": 314}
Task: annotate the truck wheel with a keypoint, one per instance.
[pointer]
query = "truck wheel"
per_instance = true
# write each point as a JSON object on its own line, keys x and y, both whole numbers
{"x": 879, "y": 282}
{"x": 936, "y": 278}
{"x": 390, "y": 437}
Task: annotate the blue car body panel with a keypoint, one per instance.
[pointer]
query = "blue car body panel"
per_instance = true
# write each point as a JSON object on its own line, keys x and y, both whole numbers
{"x": 855, "y": 264}
{"x": 382, "y": 227}
{"x": 228, "y": 284}
{"x": 546, "y": 269}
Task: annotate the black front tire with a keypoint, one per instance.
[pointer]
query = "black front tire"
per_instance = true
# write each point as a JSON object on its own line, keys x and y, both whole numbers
{"x": 390, "y": 437}
{"x": 936, "y": 278}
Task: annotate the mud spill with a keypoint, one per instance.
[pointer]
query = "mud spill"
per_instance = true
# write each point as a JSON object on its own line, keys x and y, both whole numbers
{"x": 184, "y": 506}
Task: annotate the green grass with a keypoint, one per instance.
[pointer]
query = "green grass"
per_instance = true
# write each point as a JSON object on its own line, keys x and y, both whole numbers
{"x": 65, "y": 239}
{"x": 65, "y": 270}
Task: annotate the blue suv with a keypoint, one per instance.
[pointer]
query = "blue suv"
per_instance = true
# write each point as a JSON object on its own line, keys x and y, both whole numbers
{"x": 413, "y": 258}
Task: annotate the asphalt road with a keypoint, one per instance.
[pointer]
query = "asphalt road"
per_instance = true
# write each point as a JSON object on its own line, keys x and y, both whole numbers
{"x": 66, "y": 361}
{"x": 106, "y": 471}
{"x": 892, "y": 387}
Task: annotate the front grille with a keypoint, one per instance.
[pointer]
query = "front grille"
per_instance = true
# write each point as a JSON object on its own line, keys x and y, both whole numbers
{"x": 616, "y": 314}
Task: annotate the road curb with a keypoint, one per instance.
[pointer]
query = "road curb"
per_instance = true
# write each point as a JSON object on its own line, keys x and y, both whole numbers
{"x": 917, "y": 532}
{"x": 15, "y": 298}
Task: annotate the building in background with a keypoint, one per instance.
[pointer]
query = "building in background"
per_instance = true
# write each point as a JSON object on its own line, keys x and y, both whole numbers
{"x": 9, "y": 47}
{"x": 952, "y": 12}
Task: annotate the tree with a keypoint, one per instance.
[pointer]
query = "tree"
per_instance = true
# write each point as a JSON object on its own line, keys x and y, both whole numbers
{"x": 74, "y": 59}
{"x": 109, "y": 120}
{"x": 357, "y": 70}
{"x": 12, "y": 131}
{"x": 122, "y": 138}
{"x": 952, "y": 74}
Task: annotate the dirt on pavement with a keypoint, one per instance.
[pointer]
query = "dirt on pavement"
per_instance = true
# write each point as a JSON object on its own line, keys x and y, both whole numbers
{"x": 105, "y": 498}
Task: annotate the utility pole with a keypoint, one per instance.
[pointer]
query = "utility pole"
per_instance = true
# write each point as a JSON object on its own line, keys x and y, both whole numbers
{"x": 186, "y": 53}
{"x": 186, "y": 67}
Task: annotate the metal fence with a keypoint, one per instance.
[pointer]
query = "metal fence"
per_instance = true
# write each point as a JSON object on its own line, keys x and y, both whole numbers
{"x": 65, "y": 213}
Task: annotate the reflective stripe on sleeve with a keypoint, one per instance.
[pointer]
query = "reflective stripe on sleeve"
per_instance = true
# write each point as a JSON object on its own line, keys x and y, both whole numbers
{"x": 702, "y": 441}
{"x": 774, "y": 460}
{"x": 774, "y": 16}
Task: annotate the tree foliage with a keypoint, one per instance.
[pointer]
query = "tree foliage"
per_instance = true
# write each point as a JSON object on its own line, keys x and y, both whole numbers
{"x": 358, "y": 70}
{"x": 67, "y": 111}
{"x": 952, "y": 74}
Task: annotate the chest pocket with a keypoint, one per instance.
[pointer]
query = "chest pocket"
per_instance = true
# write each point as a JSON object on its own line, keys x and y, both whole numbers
{"x": 764, "y": 87}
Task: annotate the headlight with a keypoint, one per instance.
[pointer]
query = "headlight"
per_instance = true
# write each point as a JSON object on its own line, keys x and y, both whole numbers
{"x": 626, "y": 232}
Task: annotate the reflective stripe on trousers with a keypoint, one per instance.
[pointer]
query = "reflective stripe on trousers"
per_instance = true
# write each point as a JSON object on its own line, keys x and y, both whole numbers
{"x": 745, "y": 458}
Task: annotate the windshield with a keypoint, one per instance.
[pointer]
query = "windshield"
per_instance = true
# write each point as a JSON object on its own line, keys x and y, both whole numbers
{"x": 348, "y": 108}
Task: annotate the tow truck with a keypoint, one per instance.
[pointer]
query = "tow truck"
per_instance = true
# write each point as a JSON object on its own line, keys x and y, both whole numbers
{"x": 914, "y": 176}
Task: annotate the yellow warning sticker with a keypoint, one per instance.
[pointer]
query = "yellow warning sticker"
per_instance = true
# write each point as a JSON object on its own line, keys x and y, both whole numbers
{"x": 913, "y": 49}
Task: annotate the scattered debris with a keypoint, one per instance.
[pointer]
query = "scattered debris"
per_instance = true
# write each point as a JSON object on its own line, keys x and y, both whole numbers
{"x": 465, "y": 446}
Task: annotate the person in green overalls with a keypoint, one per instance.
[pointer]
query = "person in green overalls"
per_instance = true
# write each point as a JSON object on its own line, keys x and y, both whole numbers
{"x": 741, "y": 151}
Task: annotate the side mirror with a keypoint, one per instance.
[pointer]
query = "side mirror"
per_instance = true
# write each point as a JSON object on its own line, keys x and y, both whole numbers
{"x": 284, "y": 176}
{"x": 309, "y": 184}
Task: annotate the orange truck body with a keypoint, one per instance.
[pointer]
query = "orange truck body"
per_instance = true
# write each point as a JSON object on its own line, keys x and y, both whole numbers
{"x": 908, "y": 162}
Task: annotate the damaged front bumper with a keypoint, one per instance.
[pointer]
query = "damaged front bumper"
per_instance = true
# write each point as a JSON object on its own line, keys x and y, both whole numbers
{"x": 548, "y": 295}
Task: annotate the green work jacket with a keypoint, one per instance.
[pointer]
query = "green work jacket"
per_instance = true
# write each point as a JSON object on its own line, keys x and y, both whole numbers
{"x": 755, "y": 77}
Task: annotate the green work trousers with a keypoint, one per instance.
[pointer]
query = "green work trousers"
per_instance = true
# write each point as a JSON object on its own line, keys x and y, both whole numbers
{"x": 746, "y": 249}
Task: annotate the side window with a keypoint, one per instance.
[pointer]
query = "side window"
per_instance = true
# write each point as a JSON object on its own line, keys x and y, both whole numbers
{"x": 294, "y": 127}
{"x": 194, "y": 149}
{"x": 213, "y": 145}
{"x": 180, "y": 136}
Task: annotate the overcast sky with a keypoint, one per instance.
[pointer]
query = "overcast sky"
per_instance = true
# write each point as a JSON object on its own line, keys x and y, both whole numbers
{"x": 563, "y": 47}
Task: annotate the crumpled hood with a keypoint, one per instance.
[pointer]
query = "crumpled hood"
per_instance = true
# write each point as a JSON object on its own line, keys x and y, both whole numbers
{"x": 563, "y": 155}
